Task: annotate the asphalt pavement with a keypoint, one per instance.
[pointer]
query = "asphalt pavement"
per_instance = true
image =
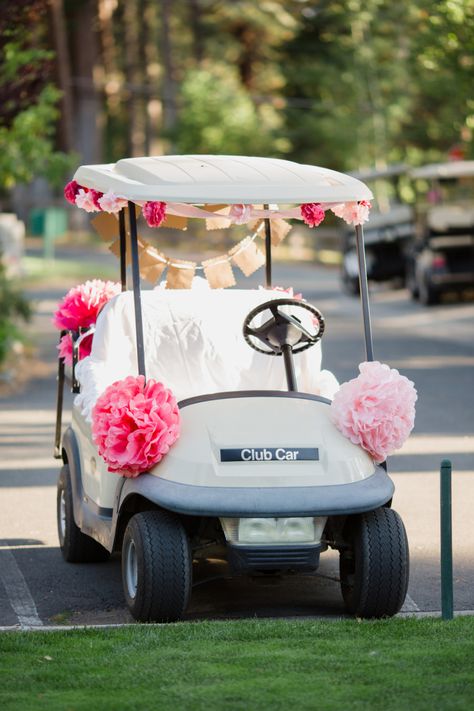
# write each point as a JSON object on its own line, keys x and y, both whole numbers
{"x": 434, "y": 347}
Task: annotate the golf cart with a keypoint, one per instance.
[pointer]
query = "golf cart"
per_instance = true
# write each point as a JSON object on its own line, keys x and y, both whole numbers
{"x": 388, "y": 234}
{"x": 260, "y": 476}
{"x": 441, "y": 257}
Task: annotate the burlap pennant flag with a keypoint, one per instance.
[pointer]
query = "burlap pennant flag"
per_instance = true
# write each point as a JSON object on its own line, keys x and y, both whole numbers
{"x": 176, "y": 222}
{"x": 247, "y": 256}
{"x": 218, "y": 272}
{"x": 152, "y": 263}
{"x": 279, "y": 230}
{"x": 218, "y": 223}
{"x": 115, "y": 248}
{"x": 180, "y": 274}
{"x": 106, "y": 225}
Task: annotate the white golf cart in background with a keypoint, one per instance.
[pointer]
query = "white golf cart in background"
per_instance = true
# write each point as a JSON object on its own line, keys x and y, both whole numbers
{"x": 441, "y": 257}
{"x": 259, "y": 476}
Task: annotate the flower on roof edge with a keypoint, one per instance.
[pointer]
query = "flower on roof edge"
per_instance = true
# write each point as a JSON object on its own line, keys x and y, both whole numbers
{"x": 352, "y": 212}
{"x": 240, "y": 214}
{"x": 312, "y": 213}
{"x": 110, "y": 202}
{"x": 70, "y": 191}
{"x": 154, "y": 213}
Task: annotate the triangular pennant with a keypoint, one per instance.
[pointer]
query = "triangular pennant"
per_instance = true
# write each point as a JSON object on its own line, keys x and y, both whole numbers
{"x": 247, "y": 256}
{"x": 218, "y": 272}
{"x": 180, "y": 274}
{"x": 106, "y": 225}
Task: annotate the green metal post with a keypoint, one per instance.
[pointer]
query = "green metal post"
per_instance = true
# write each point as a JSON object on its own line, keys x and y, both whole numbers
{"x": 446, "y": 542}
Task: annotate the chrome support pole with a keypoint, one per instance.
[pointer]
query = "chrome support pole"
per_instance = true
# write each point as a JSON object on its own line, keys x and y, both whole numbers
{"x": 364, "y": 292}
{"x": 123, "y": 250}
{"x": 136, "y": 289}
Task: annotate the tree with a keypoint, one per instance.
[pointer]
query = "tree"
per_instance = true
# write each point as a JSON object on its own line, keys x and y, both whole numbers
{"x": 28, "y": 98}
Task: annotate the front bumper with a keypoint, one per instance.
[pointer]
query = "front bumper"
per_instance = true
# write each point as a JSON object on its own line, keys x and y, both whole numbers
{"x": 255, "y": 558}
{"x": 356, "y": 497}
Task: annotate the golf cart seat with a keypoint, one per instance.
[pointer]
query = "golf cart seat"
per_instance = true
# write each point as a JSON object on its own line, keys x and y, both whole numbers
{"x": 193, "y": 344}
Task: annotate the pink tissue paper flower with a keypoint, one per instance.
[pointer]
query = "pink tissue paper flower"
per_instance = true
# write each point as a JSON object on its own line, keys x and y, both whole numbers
{"x": 352, "y": 212}
{"x": 154, "y": 213}
{"x": 134, "y": 424}
{"x": 240, "y": 214}
{"x": 110, "y": 202}
{"x": 312, "y": 213}
{"x": 65, "y": 348}
{"x": 81, "y": 305}
{"x": 375, "y": 410}
{"x": 71, "y": 190}
{"x": 88, "y": 200}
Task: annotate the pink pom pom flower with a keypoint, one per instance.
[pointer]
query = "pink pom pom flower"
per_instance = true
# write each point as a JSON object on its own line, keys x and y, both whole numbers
{"x": 376, "y": 410}
{"x": 352, "y": 212}
{"x": 88, "y": 200}
{"x": 81, "y": 305}
{"x": 312, "y": 213}
{"x": 71, "y": 190}
{"x": 154, "y": 213}
{"x": 109, "y": 202}
{"x": 240, "y": 214}
{"x": 134, "y": 424}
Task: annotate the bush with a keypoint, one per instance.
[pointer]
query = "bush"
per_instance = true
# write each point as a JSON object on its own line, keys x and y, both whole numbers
{"x": 13, "y": 307}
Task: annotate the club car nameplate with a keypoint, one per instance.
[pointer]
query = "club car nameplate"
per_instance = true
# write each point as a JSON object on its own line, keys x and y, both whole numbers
{"x": 270, "y": 454}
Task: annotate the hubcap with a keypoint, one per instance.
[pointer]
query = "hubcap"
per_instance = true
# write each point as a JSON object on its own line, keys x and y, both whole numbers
{"x": 131, "y": 569}
{"x": 62, "y": 515}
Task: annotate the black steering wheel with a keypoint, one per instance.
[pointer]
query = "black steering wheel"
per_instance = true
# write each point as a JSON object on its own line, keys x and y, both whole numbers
{"x": 282, "y": 329}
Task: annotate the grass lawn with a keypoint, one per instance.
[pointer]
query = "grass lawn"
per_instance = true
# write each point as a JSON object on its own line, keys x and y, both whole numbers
{"x": 392, "y": 664}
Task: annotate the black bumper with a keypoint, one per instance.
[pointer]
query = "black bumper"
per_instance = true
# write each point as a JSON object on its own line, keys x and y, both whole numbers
{"x": 254, "y": 558}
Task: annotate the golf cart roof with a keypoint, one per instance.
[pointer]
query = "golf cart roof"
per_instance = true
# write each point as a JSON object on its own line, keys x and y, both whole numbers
{"x": 221, "y": 179}
{"x": 453, "y": 169}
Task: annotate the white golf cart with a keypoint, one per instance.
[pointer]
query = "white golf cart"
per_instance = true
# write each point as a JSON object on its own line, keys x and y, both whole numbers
{"x": 259, "y": 475}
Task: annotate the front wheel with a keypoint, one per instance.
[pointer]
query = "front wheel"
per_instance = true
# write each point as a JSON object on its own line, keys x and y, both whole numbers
{"x": 374, "y": 565}
{"x": 156, "y": 567}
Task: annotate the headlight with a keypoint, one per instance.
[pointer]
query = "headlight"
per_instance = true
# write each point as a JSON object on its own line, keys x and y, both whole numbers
{"x": 268, "y": 531}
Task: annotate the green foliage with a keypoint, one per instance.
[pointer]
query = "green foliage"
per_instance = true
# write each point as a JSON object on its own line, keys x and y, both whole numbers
{"x": 269, "y": 665}
{"x": 28, "y": 98}
{"x": 218, "y": 116}
{"x": 13, "y": 307}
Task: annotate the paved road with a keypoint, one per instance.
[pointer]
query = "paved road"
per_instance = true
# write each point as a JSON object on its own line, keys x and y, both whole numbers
{"x": 434, "y": 347}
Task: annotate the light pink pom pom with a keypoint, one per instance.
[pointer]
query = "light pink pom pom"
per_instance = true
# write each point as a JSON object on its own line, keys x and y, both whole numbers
{"x": 240, "y": 214}
{"x": 352, "y": 212}
{"x": 81, "y": 305}
{"x": 312, "y": 213}
{"x": 154, "y": 213}
{"x": 109, "y": 202}
{"x": 376, "y": 410}
{"x": 134, "y": 424}
{"x": 87, "y": 200}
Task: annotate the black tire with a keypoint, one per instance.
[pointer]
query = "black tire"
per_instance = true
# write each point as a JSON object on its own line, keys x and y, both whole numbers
{"x": 374, "y": 568}
{"x": 76, "y": 546}
{"x": 156, "y": 567}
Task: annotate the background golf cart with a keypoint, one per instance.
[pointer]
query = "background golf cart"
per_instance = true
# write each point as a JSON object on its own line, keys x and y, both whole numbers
{"x": 441, "y": 257}
{"x": 188, "y": 507}
{"x": 387, "y": 235}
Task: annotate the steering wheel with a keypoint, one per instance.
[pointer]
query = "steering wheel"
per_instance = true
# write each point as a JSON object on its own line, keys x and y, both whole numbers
{"x": 282, "y": 329}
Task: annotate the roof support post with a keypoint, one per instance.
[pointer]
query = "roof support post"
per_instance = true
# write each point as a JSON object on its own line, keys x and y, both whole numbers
{"x": 136, "y": 289}
{"x": 268, "y": 251}
{"x": 123, "y": 249}
{"x": 364, "y": 292}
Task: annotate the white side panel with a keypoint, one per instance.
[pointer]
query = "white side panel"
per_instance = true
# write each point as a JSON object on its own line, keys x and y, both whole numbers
{"x": 255, "y": 423}
{"x": 98, "y": 483}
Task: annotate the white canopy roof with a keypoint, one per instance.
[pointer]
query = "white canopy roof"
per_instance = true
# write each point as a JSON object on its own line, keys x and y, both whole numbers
{"x": 221, "y": 179}
{"x": 453, "y": 169}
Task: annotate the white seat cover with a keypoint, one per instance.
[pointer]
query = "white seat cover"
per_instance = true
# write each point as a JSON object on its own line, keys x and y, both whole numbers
{"x": 193, "y": 344}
